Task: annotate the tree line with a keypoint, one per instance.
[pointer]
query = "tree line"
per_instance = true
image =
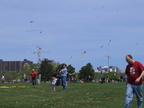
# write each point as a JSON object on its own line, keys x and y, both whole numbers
{"x": 47, "y": 70}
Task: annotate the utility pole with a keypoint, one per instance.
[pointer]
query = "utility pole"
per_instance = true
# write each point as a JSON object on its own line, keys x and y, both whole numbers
{"x": 38, "y": 52}
{"x": 108, "y": 57}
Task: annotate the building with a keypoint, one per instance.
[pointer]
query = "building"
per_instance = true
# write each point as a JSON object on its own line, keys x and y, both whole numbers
{"x": 49, "y": 61}
{"x": 107, "y": 69}
{"x": 13, "y": 66}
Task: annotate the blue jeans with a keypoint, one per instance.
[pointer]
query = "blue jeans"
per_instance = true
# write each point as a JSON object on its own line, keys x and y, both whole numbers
{"x": 63, "y": 81}
{"x": 34, "y": 81}
{"x": 130, "y": 90}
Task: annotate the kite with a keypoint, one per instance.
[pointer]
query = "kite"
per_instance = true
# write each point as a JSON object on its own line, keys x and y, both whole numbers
{"x": 84, "y": 53}
{"x": 71, "y": 57}
{"x": 31, "y": 21}
{"x": 12, "y": 86}
{"x": 109, "y": 42}
{"x": 102, "y": 46}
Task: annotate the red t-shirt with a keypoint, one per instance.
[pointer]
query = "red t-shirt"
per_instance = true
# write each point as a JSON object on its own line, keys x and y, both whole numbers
{"x": 33, "y": 73}
{"x": 133, "y": 71}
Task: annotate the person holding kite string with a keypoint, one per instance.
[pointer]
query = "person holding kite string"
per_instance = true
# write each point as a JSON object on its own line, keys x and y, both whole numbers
{"x": 63, "y": 74}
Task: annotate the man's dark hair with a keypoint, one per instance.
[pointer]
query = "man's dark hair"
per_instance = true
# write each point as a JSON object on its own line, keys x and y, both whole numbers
{"x": 130, "y": 56}
{"x": 64, "y": 65}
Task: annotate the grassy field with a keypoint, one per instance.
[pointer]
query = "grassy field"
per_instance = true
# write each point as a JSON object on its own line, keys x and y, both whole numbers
{"x": 86, "y": 95}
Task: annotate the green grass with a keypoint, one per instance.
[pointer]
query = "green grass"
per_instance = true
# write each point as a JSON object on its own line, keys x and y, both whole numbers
{"x": 86, "y": 95}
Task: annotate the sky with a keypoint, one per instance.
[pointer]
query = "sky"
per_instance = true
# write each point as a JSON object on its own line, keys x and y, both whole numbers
{"x": 74, "y": 32}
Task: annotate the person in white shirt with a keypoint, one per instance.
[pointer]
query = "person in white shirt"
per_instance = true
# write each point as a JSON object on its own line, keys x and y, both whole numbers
{"x": 53, "y": 83}
{"x": 3, "y": 78}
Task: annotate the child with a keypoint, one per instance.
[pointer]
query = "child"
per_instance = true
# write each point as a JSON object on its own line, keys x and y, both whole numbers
{"x": 53, "y": 83}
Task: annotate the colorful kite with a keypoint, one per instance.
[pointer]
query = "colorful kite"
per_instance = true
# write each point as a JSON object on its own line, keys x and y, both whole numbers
{"x": 71, "y": 57}
{"x": 84, "y": 53}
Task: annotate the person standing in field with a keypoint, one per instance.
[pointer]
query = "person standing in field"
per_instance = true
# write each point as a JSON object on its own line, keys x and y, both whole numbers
{"x": 53, "y": 83}
{"x": 25, "y": 78}
{"x": 33, "y": 76}
{"x": 135, "y": 72}
{"x": 3, "y": 78}
{"x": 63, "y": 74}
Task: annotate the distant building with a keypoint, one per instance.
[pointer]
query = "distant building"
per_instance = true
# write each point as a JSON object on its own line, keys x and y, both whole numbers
{"x": 9, "y": 66}
{"x": 122, "y": 71}
{"x": 107, "y": 69}
{"x": 45, "y": 59}
{"x": 49, "y": 61}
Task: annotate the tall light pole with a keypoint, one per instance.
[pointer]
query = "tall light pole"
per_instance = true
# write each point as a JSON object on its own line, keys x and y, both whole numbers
{"x": 38, "y": 52}
{"x": 108, "y": 57}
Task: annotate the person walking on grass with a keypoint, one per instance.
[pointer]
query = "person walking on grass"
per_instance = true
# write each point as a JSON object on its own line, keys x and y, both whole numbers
{"x": 33, "y": 76}
{"x": 135, "y": 72}
{"x": 63, "y": 74}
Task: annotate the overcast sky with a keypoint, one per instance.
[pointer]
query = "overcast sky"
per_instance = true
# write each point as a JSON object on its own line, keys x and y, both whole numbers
{"x": 64, "y": 29}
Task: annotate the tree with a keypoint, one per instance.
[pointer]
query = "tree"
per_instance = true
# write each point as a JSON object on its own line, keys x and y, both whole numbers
{"x": 86, "y": 73}
{"x": 46, "y": 70}
{"x": 55, "y": 65}
{"x": 114, "y": 76}
{"x": 71, "y": 69}
{"x": 71, "y": 73}
{"x": 26, "y": 69}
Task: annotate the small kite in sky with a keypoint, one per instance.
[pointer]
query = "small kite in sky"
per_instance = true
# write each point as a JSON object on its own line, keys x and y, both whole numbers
{"x": 71, "y": 57}
{"x": 84, "y": 53}
{"x": 109, "y": 42}
{"x": 31, "y": 21}
{"x": 102, "y": 46}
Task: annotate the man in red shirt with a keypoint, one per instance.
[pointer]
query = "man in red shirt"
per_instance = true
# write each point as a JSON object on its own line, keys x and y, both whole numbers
{"x": 33, "y": 75}
{"x": 135, "y": 72}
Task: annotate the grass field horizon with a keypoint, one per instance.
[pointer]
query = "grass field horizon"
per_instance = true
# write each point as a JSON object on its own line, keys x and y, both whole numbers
{"x": 85, "y": 95}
